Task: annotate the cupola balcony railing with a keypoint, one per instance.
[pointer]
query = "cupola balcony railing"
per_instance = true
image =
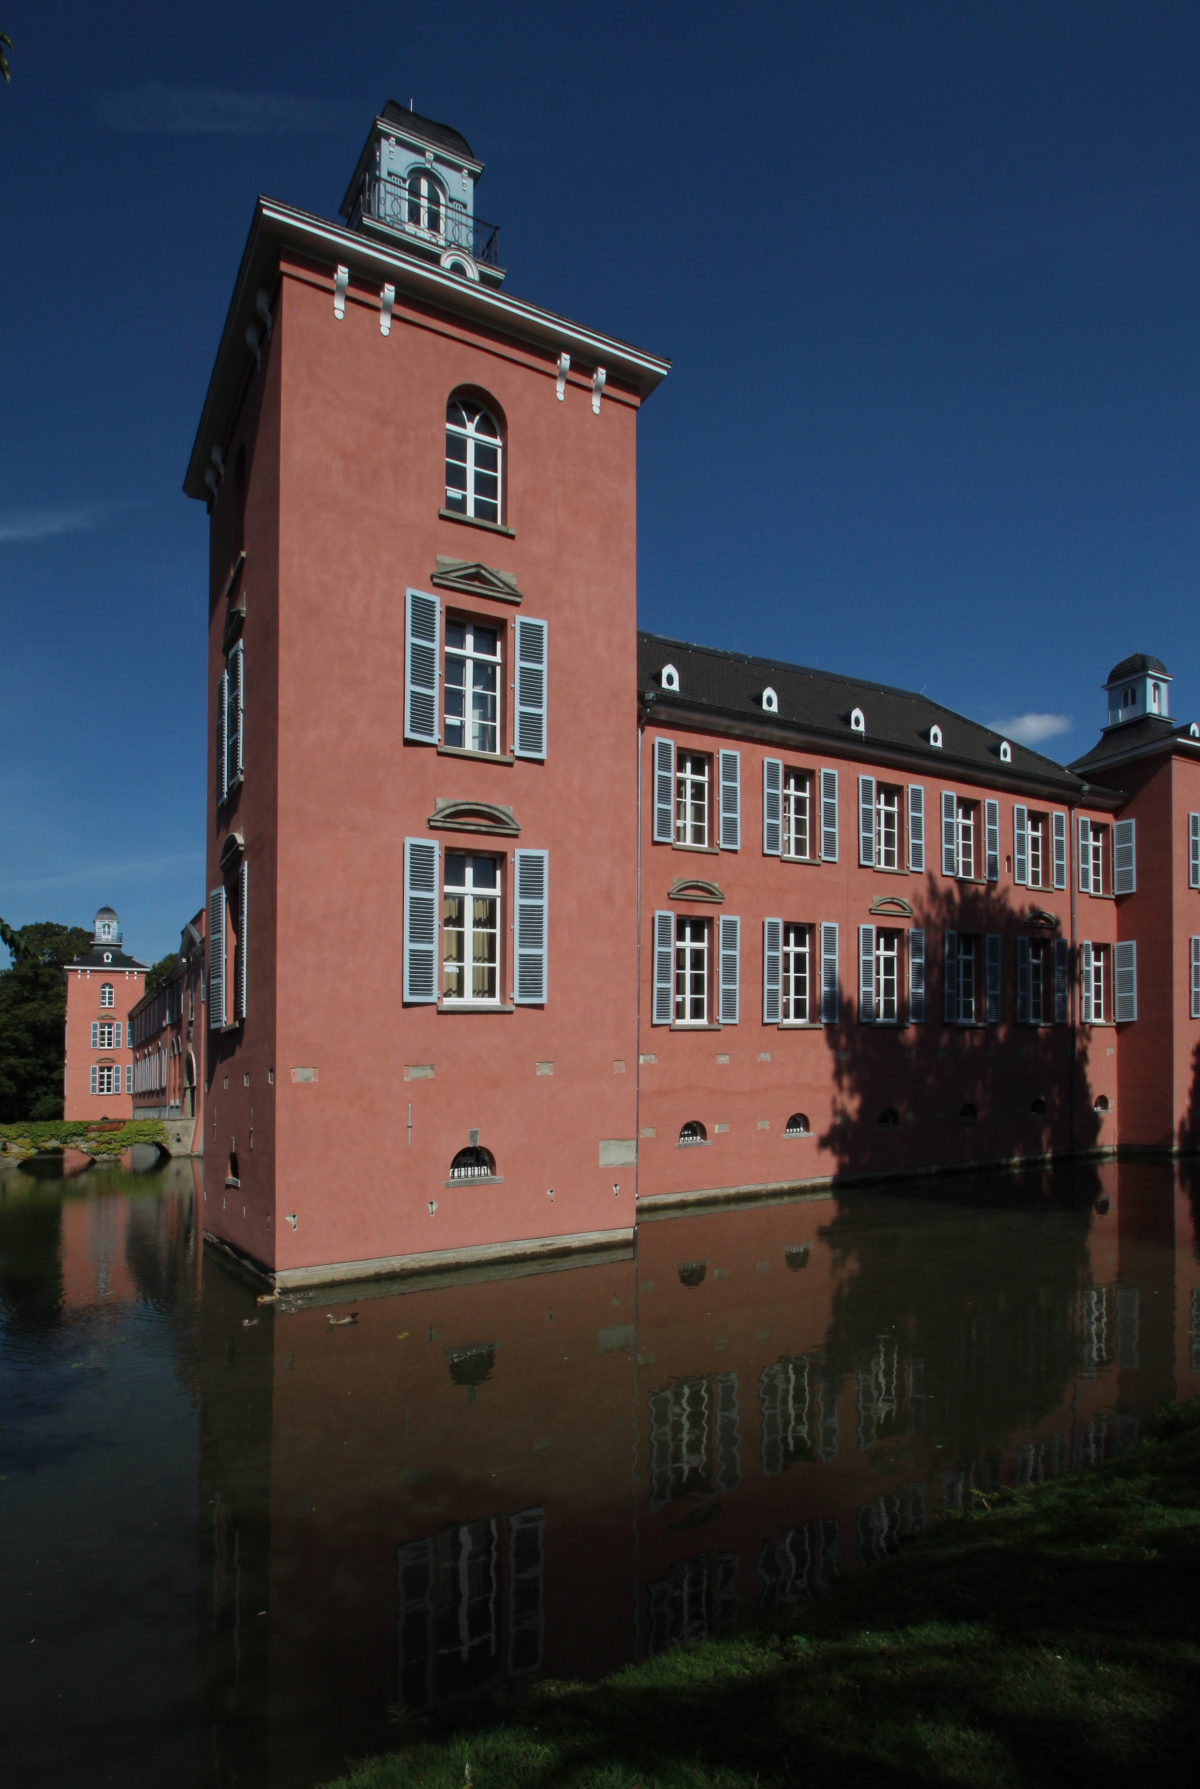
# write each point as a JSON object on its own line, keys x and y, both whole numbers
{"x": 440, "y": 226}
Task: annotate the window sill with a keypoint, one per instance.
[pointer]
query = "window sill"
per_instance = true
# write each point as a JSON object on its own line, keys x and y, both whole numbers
{"x": 461, "y": 751}
{"x": 799, "y": 1025}
{"x": 1099, "y": 894}
{"x": 232, "y": 1180}
{"x": 694, "y": 1026}
{"x": 476, "y": 1180}
{"x": 882, "y": 869}
{"x": 452, "y": 515}
{"x": 811, "y": 862}
{"x": 473, "y": 1006}
{"x": 704, "y": 850}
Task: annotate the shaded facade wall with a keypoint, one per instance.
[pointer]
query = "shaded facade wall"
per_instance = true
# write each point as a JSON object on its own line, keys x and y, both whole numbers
{"x": 83, "y": 1008}
{"x": 743, "y": 1082}
{"x": 168, "y": 1029}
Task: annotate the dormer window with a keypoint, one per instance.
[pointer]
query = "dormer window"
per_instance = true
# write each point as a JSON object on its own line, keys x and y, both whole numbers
{"x": 425, "y": 202}
{"x": 770, "y": 701}
{"x": 1005, "y": 752}
{"x": 858, "y": 720}
{"x": 669, "y": 678}
{"x": 935, "y": 736}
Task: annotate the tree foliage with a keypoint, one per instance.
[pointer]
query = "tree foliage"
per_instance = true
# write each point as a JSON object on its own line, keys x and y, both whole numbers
{"x": 5, "y": 44}
{"x": 33, "y": 1005}
{"x": 160, "y": 973}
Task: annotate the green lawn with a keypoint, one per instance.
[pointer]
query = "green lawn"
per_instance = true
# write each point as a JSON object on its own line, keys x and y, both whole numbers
{"x": 1052, "y": 1638}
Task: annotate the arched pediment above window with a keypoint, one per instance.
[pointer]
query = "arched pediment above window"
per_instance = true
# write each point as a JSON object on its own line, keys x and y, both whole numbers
{"x": 1042, "y": 921}
{"x": 891, "y": 907}
{"x": 694, "y": 888}
{"x": 473, "y": 816}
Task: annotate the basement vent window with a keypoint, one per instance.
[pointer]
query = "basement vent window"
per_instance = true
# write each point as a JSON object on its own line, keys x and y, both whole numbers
{"x": 1101, "y": 1104}
{"x": 473, "y": 1164}
{"x": 691, "y": 1273}
{"x": 1039, "y": 1108}
{"x": 798, "y": 1125}
{"x": 693, "y": 1132}
{"x": 969, "y": 1114}
{"x": 888, "y": 1120}
{"x": 797, "y": 1256}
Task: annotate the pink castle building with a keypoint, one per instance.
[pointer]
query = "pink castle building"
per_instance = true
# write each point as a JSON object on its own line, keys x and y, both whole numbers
{"x": 708, "y": 925}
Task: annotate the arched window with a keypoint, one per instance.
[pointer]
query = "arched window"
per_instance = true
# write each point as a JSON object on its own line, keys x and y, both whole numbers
{"x": 1039, "y": 1108}
{"x": 798, "y": 1125}
{"x": 1156, "y": 693}
{"x": 692, "y": 1132}
{"x": 472, "y": 461}
{"x": 888, "y": 1120}
{"x": 797, "y": 1256}
{"x": 691, "y": 1273}
{"x": 106, "y": 993}
{"x": 1101, "y": 1103}
{"x": 968, "y": 1113}
{"x": 473, "y": 1164}
{"x": 425, "y": 202}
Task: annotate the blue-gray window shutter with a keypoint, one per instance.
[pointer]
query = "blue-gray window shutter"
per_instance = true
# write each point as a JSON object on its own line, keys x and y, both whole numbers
{"x": 994, "y": 962}
{"x": 1125, "y": 981}
{"x": 772, "y": 807}
{"x": 949, "y": 833}
{"x": 829, "y": 815}
{"x": 829, "y": 973}
{"x": 242, "y": 936}
{"x": 950, "y": 1011}
{"x": 1087, "y": 985}
{"x": 237, "y": 687}
{"x": 1062, "y": 982}
{"x": 1024, "y": 983}
{"x": 916, "y": 976}
{"x": 730, "y": 933}
{"x": 1124, "y": 858}
{"x": 1021, "y": 846}
{"x": 772, "y": 971}
{"x": 420, "y": 920}
{"x": 1196, "y": 978}
{"x": 730, "y": 774}
{"x": 991, "y": 838}
{"x": 866, "y": 821}
{"x": 94, "y": 1079}
{"x": 1085, "y": 856}
{"x": 664, "y": 791}
{"x": 223, "y": 736}
{"x": 866, "y": 975}
{"x": 422, "y": 640}
{"x": 916, "y": 827}
{"x": 117, "y": 1035}
{"x": 1194, "y": 850}
{"x": 1058, "y": 849}
{"x": 95, "y": 1034}
{"x": 529, "y": 729}
{"x": 664, "y": 969}
{"x": 531, "y": 872}
{"x": 216, "y": 959}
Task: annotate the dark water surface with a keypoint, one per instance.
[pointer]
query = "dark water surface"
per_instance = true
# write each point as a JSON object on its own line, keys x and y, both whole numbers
{"x": 235, "y": 1539}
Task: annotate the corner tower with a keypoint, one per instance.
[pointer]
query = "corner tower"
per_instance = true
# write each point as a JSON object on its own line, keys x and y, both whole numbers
{"x": 1138, "y": 687}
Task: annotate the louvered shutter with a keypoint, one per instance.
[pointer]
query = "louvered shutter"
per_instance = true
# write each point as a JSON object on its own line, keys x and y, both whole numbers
{"x": 729, "y": 932}
{"x": 1024, "y": 982}
{"x": 916, "y": 976}
{"x": 216, "y": 959}
{"x": 1058, "y": 849}
{"x": 991, "y": 841}
{"x": 94, "y": 1079}
{"x": 1085, "y": 856}
{"x": 729, "y": 768}
{"x": 664, "y": 969}
{"x": 1021, "y": 846}
{"x": 949, "y": 833}
{"x": 1194, "y": 850}
{"x": 994, "y": 967}
{"x": 866, "y": 975}
{"x": 243, "y": 936}
{"x": 420, "y": 921}
{"x": 128, "y": 1078}
{"x": 1196, "y": 978}
{"x": 829, "y": 974}
{"x": 117, "y": 1035}
{"x": 950, "y": 1012}
{"x": 529, "y": 739}
{"x": 829, "y": 815}
{"x": 1062, "y": 1000}
{"x": 772, "y": 971}
{"x": 236, "y": 669}
{"x": 916, "y": 827}
{"x": 866, "y": 821}
{"x": 531, "y": 874}
{"x": 772, "y": 807}
{"x": 1124, "y": 858}
{"x": 223, "y": 736}
{"x": 1086, "y": 983}
{"x": 422, "y": 643}
{"x": 1125, "y": 981}
{"x": 95, "y": 1034}
{"x": 664, "y": 791}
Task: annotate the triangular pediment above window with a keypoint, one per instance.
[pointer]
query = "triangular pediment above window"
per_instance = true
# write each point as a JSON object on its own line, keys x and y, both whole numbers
{"x": 473, "y": 579}
{"x": 473, "y": 816}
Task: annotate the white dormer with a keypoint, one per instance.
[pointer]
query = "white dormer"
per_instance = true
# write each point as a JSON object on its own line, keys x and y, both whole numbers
{"x": 1138, "y": 686}
{"x": 668, "y": 677}
{"x": 1005, "y": 752}
{"x": 935, "y": 735}
{"x": 770, "y": 701}
{"x": 858, "y": 720}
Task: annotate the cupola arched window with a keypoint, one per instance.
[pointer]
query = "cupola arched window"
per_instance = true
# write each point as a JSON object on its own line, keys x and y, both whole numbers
{"x": 426, "y": 202}
{"x": 473, "y": 450}
{"x": 106, "y": 993}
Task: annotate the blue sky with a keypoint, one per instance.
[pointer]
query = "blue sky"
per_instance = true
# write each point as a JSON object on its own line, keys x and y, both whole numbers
{"x": 928, "y": 275}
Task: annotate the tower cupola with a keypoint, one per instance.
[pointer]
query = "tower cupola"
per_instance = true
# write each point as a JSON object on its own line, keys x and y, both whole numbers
{"x": 415, "y": 184}
{"x": 1137, "y": 687}
{"x": 106, "y": 927}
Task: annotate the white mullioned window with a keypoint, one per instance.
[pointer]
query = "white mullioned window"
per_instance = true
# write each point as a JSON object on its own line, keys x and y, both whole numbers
{"x": 426, "y": 202}
{"x": 797, "y": 978}
{"x": 887, "y": 829}
{"x": 1096, "y": 856}
{"x": 692, "y": 776}
{"x": 104, "y": 1037}
{"x": 106, "y": 993}
{"x": 472, "y": 686}
{"x": 1037, "y": 981}
{"x": 473, "y": 461}
{"x": 1037, "y": 850}
{"x": 1100, "y": 978}
{"x": 691, "y": 971}
{"x": 967, "y": 977}
{"x": 106, "y": 1078}
{"x": 797, "y": 810}
{"x": 471, "y": 928}
{"x": 887, "y": 976}
{"x": 965, "y": 840}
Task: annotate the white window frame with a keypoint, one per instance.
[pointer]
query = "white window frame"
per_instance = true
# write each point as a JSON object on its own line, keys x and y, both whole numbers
{"x": 888, "y": 950}
{"x": 468, "y": 894}
{"x": 688, "y": 780}
{"x": 796, "y": 959}
{"x": 474, "y": 504}
{"x": 965, "y": 841}
{"x": 693, "y": 953}
{"x": 887, "y": 809}
{"x": 470, "y": 657}
{"x": 1036, "y": 851}
{"x": 797, "y": 812}
{"x": 107, "y": 994}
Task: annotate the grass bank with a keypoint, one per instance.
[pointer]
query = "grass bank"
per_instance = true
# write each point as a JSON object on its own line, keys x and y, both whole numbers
{"x": 1051, "y": 1638}
{"x": 94, "y": 1138}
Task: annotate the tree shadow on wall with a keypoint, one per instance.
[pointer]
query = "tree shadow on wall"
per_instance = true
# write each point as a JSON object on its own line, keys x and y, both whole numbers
{"x": 941, "y": 1093}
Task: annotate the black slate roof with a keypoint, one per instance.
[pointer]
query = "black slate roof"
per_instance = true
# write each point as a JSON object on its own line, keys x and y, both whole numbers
{"x": 1130, "y": 736}
{"x": 94, "y": 959}
{"x": 820, "y": 702}
{"x": 1135, "y": 665}
{"x": 444, "y": 136}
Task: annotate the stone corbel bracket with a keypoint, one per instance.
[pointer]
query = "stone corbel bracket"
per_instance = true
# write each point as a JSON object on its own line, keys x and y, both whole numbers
{"x": 693, "y": 888}
{"x": 560, "y": 379}
{"x": 341, "y": 281}
{"x": 598, "y": 379}
{"x": 473, "y": 816}
{"x": 387, "y": 299}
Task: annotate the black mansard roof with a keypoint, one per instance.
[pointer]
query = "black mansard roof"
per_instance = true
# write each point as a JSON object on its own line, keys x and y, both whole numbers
{"x": 1130, "y": 737}
{"x": 729, "y": 686}
{"x": 95, "y": 958}
{"x": 442, "y": 136}
{"x": 1136, "y": 666}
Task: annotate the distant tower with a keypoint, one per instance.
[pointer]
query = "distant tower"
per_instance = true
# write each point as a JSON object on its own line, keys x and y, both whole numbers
{"x": 1137, "y": 687}
{"x": 102, "y": 986}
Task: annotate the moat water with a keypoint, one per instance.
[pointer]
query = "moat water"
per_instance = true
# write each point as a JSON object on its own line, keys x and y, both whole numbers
{"x": 236, "y": 1539}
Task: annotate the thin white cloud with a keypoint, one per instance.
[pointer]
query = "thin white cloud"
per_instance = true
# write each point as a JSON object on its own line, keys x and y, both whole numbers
{"x": 215, "y": 111}
{"x": 108, "y": 873}
{"x": 1033, "y": 729}
{"x": 46, "y": 520}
